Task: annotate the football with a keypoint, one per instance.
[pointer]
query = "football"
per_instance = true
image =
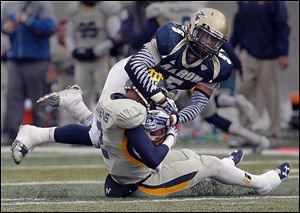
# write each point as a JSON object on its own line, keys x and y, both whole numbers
{"x": 158, "y": 136}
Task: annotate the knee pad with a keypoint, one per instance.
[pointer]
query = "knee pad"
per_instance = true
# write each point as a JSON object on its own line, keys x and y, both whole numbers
{"x": 190, "y": 154}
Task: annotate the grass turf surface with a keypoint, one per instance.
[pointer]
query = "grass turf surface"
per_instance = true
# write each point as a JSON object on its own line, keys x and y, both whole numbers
{"x": 51, "y": 181}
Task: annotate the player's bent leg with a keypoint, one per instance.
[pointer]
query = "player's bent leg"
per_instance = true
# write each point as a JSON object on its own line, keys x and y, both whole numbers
{"x": 31, "y": 136}
{"x": 28, "y": 137}
{"x": 263, "y": 184}
{"x": 174, "y": 177}
{"x": 71, "y": 100}
{"x": 247, "y": 108}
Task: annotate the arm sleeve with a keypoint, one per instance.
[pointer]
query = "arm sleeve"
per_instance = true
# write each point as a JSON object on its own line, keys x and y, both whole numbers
{"x": 43, "y": 26}
{"x": 235, "y": 40}
{"x": 282, "y": 28}
{"x": 197, "y": 103}
{"x": 150, "y": 155}
{"x": 137, "y": 70}
{"x": 45, "y": 23}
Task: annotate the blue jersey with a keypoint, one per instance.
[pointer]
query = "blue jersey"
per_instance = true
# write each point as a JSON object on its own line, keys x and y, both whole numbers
{"x": 172, "y": 45}
{"x": 165, "y": 58}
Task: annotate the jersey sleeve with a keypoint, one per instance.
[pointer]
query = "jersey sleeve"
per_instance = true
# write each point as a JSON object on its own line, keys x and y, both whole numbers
{"x": 167, "y": 37}
{"x": 137, "y": 70}
{"x": 226, "y": 67}
{"x": 149, "y": 154}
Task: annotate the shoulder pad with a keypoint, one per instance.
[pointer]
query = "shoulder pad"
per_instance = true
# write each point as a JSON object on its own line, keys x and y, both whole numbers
{"x": 225, "y": 66}
{"x": 168, "y": 36}
{"x": 130, "y": 114}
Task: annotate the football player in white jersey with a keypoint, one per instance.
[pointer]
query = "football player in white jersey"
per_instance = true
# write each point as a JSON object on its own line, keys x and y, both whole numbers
{"x": 139, "y": 163}
{"x": 90, "y": 39}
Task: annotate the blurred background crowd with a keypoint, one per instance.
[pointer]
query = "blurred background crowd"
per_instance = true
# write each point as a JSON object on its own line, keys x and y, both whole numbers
{"x": 48, "y": 45}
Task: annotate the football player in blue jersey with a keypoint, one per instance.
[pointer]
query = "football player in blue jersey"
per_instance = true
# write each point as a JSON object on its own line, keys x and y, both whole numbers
{"x": 185, "y": 57}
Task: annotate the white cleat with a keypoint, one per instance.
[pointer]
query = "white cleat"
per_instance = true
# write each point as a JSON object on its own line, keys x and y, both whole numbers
{"x": 64, "y": 98}
{"x": 236, "y": 156}
{"x": 274, "y": 178}
{"x": 22, "y": 144}
{"x": 247, "y": 108}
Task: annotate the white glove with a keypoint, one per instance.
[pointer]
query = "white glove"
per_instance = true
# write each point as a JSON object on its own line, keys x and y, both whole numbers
{"x": 156, "y": 119}
{"x": 172, "y": 130}
{"x": 171, "y": 137}
{"x": 168, "y": 106}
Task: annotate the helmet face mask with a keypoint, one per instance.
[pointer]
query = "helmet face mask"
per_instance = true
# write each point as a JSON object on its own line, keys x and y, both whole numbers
{"x": 207, "y": 32}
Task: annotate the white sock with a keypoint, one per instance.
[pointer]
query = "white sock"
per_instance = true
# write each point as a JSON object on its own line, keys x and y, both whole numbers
{"x": 32, "y": 136}
{"x": 228, "y": 174}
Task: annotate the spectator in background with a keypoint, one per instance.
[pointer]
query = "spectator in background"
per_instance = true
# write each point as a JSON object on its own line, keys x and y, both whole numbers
{"x": 61, "y": 68}
{"x": 261, "y": 31}
{"x": 90, "y": 43}
{"x": 144, "y": 18}
{"x": 28, "y": 25}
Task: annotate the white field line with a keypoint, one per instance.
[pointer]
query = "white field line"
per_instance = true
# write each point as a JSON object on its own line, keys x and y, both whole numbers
{"x": 76, "y": 182}
{"x": 52, "y": 183}
{"x": 89, "y": 150}
{"x": 252, "y": 198}
{"x": 22, "y": 199}
{"x": 83, "y": 166}
{"x": 100, "y": 166}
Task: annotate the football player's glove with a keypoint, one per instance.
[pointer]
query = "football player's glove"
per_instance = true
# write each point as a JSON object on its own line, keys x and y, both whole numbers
{"x": 172, "y": 130}
{"x": 168, "y": 106}
{"x": 156, "y": 119}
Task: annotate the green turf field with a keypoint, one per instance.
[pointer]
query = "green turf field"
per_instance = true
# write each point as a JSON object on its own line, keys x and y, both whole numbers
{"x": 65, "y": 178}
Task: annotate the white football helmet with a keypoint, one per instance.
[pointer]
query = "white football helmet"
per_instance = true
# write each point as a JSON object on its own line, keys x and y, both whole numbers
{"x": 207, "y": 32}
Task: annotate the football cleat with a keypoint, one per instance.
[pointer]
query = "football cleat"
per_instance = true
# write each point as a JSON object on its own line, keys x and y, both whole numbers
{"x": 22, "y": 144}
{"x": 283, "y": 170}
{"x": 237, "y": 156}
{"x": 274, "y": 178}
{"x": 19, "y": 151}
{"x": 62, "y": 98}
{"x": 247, "y": 108}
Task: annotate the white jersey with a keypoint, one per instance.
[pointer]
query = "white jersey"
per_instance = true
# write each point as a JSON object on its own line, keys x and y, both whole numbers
{"x": 114, "y": 114}
{"x": 88, "y": 25}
